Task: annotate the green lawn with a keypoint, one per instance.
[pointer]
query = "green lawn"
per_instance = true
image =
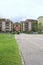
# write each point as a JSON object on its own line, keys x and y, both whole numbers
{"x": 9, "y": 54}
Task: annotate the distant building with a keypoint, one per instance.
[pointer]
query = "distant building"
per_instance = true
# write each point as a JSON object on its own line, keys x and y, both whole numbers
{"x": 6, "y": 25}
{"x": 40, "y": 20}
{"x": 27, "y": 24}
{"x": 17, "y": 26}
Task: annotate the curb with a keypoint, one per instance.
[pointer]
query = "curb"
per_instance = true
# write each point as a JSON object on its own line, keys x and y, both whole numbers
{"x": 21, "y": 55}
{"x": 22, "y": 58}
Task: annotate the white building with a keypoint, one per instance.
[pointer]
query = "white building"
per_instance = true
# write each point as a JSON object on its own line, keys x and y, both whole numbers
{"x": 6, "y": 25}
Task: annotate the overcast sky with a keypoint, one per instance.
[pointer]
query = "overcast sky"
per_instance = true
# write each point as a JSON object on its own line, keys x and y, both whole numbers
{"x": 21, "y": 8}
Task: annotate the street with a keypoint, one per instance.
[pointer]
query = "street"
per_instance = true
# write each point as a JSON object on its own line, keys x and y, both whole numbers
{"x": 31, "y": 47}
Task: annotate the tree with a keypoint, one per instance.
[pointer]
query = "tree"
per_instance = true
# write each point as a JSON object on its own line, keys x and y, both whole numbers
{"x": 35, "y": 26}
{"x": 40, "y": 27}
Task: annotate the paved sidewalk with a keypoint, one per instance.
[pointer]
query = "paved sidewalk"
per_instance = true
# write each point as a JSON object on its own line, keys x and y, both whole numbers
{"x": 31, "y": 47}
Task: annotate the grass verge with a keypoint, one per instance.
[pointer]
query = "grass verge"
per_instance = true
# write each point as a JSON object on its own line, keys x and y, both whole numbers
{"x": 9, "y": 53}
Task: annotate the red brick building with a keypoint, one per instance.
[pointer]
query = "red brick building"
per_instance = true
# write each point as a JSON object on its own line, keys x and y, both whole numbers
{"x": 17, "y": 26}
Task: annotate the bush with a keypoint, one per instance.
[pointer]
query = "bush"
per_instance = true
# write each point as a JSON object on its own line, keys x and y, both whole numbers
{"x": 18, "y": 32}
{"x": 29, "y": 32}
{"x": 24, "y": 31}
{"x": 40, "y": 32}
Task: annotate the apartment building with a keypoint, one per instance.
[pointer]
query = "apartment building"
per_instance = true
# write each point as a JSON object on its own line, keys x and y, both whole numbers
{"x": 6, "y": 25}
{"x": 40, "y": 20}
{"x": 27, "y": 25}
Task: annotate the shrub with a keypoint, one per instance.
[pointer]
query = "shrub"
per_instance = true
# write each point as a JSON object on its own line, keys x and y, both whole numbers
{"x": 18, "y": 32}
{"x": 29, "y": 32}
{"x": 40, "y": 32}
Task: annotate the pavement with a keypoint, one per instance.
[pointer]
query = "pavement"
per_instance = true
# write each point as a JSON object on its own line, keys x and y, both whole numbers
{"x": 31, "y": 48}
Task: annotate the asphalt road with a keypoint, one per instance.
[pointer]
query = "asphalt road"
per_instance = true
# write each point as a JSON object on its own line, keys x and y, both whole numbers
{"x": 31, "y": 47}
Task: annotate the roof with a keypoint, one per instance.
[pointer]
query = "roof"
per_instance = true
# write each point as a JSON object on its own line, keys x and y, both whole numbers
{"x": 30, "y": 20}
{"x": 40, "y": 17}
{"x": 2, "y": 19}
